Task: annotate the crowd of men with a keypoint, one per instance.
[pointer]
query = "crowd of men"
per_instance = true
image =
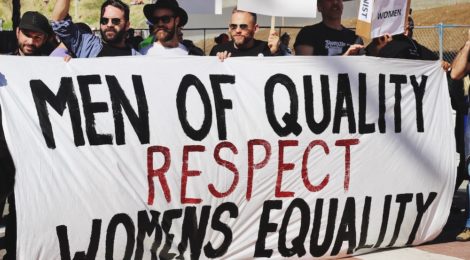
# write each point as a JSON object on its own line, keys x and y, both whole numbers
{"x": 37, "y": 36}
{"x": 166, "y": 19}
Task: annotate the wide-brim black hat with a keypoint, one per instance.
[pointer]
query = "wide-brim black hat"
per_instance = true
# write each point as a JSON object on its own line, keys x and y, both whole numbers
{"x": 167, "y": 4}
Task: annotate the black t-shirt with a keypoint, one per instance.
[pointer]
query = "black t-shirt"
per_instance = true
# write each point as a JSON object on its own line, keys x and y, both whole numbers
{"x": 325, "y": 40}
{"x": 110, "y": 51}
{"x": 260, "y": 47}
{"x": 402, "y": 47}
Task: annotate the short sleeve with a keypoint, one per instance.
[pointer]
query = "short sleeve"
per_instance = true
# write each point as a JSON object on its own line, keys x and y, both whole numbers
{"x": 305, "y": 37}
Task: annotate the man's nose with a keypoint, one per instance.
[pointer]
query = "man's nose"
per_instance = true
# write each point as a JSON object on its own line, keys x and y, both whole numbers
{"x": 29, "y": 40}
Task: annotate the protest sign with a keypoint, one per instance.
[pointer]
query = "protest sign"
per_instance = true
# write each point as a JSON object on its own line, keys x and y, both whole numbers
{"x": 137, "y": 157}
{"x": 292, "y": 8}
{"x": 376, "y": 18}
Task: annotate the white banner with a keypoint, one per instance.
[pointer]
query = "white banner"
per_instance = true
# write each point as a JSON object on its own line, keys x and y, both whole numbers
{"x": 134, "y": 157}
{"x": 283, "y": 8}
{"x": 201, "y": 6}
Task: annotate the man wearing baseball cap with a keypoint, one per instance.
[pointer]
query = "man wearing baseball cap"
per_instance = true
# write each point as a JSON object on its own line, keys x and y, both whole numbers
{"x": 167, "y": 18}
{"x": 33, "y": 34}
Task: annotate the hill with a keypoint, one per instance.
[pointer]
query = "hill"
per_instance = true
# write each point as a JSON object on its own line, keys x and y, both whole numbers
{"x": 88, "y": 11}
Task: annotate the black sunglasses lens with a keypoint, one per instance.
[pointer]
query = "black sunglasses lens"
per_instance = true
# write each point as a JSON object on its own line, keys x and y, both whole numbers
{"x": 242, "y": 26}
{"x": 114, "y": 21}
{"x": 165, "y": 19}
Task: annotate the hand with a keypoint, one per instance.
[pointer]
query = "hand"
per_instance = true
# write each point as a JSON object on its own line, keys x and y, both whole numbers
{"x": 223, "y": 55}
{"x": 384, "y": 40}
{"x": 67, "y": 58}
{"x": 446, "y": 66}
{"x": 273, "y": 42}
{"x": 353, "y": 49}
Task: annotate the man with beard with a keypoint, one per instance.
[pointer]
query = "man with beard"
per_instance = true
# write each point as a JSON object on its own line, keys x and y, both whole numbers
{"x": 33, "y": 34}
{"x": 329, "y": 37}
{"x": 242, "y": 28}
{"x": 114, "y": 23}
{"x": 166, "y": 18}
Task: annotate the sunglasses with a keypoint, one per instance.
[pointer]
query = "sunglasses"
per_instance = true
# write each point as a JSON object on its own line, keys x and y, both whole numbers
{"x": 114, "y": 21}
{"x": 165, "y": 19}
{"x": 234, "y": 26}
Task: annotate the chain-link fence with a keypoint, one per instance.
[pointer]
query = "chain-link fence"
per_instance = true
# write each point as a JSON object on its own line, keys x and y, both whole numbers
{"x": 444, "y": 40}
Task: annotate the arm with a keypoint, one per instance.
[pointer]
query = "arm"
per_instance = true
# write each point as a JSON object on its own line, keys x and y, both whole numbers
{"x": 460, "y": 66}
{"x": 61, "y": 10}
{"x": 353, "y": 50}
{"x": 305, "y": 42}
{"x": 273, "y": 42}
{"x": 304, "y": 50}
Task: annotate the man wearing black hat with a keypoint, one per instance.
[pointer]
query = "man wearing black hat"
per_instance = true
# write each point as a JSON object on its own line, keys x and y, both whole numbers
{"x": 167, "y": 18}
{"x": 114, "y": 23}
{"x": 33, "y": 34}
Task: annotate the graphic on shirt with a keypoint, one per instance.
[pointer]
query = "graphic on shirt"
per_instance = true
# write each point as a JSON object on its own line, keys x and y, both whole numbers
{"x": 334, "y": 48}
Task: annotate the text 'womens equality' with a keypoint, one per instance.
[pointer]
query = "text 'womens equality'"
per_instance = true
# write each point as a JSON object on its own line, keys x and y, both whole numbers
{"x": 344, "y": 106}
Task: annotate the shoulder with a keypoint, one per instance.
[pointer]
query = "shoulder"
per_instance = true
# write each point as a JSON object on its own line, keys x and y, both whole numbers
{"x": 313, "y": 28}
{"x": 309, "y": 34}
{"x": 260, "y": 43}
{"x": 192, "y": 49}
{"x": 348, "y": 31}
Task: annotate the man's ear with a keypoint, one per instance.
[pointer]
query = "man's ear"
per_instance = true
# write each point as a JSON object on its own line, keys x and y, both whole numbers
{"x": 177, "y": 21}
{"x": 17, "y": 33}
{"x": 128, "y": 25}
{"x": 256, "y": 28}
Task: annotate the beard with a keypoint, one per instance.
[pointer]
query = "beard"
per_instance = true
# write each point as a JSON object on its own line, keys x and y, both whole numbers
{"x": 164, "y": 34}
{"x": 241, "y": 41}
{"x": 29, "y": 49}
{"x": 114, "y": 38}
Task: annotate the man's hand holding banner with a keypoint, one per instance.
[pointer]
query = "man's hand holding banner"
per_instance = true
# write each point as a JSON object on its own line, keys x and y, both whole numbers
{"x": 137, "y": 158}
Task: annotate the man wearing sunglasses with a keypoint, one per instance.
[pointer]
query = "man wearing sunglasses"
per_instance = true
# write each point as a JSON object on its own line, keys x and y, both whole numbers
{"x": 166, "y": 18}
{"x": 114, "y": 23}
{"x": 242, "y": 28}
{"x": 329, "y": 37}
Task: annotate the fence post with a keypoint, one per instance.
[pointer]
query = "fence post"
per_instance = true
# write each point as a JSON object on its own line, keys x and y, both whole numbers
{"x": 441, "y": 41}
{"x": 204, "y": 40}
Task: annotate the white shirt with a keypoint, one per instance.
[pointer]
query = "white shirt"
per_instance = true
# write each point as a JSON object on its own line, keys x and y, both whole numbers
{"x": 156, "y": 49}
